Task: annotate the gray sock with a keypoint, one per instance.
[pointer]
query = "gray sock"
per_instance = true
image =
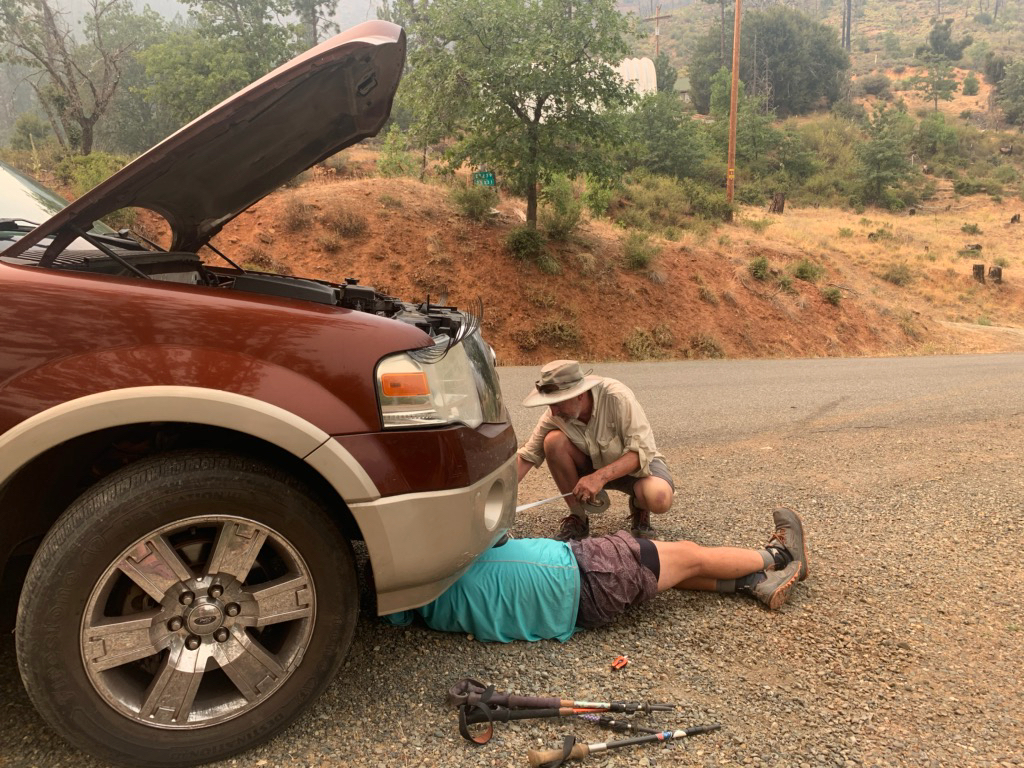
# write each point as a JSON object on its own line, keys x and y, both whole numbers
{"x": 748, "y": 582}
{"x": 768, "y": 557}
{"x": 725, "y": 586}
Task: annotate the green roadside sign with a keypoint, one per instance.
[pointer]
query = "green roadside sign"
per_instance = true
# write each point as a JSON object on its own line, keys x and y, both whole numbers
{"x": 483, "y": 178}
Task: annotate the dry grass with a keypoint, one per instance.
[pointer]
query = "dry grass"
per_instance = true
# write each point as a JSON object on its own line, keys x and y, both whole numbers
{"x": 930, "y": 243}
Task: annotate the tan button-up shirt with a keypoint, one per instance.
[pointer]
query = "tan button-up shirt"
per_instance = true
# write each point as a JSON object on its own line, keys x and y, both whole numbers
{"x": 617, "y": 425}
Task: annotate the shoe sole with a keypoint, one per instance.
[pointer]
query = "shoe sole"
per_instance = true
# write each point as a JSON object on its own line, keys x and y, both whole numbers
{"x": 781, "y": 594}
{"x": 805, "y": 568}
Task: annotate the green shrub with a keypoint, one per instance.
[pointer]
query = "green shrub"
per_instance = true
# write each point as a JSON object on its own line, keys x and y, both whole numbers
{"x": 758, "y": 268}
{"x": 261, "y": 260}
{"x": 640, "y": 345}
{"x": 297, "y": 214}
{"x": 970, "y": 86}
{"x": 345, "y": 223}
{"x": 832, "y": 295}
{"x": 876, "y": 84}
{"x": 971, "y": 229}
{"x": 328, "y": 243}
{"x": 395, "y": 158}
{"x": 708, "y": 202}
{"x": 559, "y": 333}
{"x": 634, "y": 218}
{"x": 758, "y": 225}
{"x": 897, "y": 274}
{"x": 786, "y": 284}
{"x": 705, "y": 293}
{"x": 1005, "y": 174}
{"x": 808, "y": 271}
{"x": 968, "y": 187}
{"x": 845, "y": 232}
{"x": 474, "y": 201}
{"x": 525, "y": 244}
{"x": 638, "y": 251}
{"x": 663, "y": 336}
{"x": 83, "y": 172}
{"x": 389, "y": 201}
{"x": 705, "y": 345}
{"x": 598, "y": 196}
{"x": 561, "y": 210}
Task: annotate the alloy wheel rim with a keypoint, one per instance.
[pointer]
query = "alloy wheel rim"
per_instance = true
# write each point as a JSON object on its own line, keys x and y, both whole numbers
{"x": 198, "y": 622}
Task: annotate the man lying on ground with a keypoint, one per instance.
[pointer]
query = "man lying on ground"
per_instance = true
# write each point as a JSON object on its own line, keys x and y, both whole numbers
{"x": 538, "y": 589}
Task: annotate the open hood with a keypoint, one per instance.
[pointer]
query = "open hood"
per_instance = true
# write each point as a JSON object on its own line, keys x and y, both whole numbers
{"x": 208, "y": 172}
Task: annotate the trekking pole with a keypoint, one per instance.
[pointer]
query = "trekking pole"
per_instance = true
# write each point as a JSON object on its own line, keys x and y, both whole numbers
{"x": 484, "y": 718}
{"x": 620, "y": 726}
{"x": 468, "y": 691}
{"x": 571, "y": 750}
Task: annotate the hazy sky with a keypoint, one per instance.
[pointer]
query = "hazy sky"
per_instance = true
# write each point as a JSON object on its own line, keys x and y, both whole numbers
{"x": 349, "y": 13}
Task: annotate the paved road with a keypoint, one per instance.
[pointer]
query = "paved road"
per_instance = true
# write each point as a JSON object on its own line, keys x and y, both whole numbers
{"x": 908, "y": 471}
{"x": 721, "y": 401}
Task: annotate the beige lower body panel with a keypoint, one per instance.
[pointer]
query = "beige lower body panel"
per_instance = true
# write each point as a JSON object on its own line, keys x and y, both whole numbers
{"x": 420, "y": 543}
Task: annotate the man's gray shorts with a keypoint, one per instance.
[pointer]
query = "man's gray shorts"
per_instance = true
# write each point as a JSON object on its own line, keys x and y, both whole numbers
{"x": 625, "y": 484}
{"x": 612, "y": 578}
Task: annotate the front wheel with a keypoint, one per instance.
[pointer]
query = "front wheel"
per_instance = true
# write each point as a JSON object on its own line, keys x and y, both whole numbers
{"x": 184, "y": 609}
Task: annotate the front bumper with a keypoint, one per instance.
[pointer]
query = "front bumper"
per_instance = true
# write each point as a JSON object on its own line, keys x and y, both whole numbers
{"x": 420, "y": 543}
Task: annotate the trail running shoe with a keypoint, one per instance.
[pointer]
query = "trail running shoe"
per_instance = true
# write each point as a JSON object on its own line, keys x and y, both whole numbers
{"x": 640, "y": 522}
{"x": 573, "y": 527}
{"x": 773, "y": 591}
{"x": 789, "y": 534}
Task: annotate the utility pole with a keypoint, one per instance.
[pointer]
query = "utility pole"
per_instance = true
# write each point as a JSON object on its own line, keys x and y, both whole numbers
{"x": 657, "y": 28}
{"x": 730, "y": 178}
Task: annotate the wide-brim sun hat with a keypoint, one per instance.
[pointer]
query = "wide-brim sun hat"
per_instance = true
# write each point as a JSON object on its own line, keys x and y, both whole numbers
{"x": 560, "y": 380}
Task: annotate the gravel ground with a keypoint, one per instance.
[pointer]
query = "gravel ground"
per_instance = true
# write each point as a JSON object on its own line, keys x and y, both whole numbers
{"x": 903, "y": 648}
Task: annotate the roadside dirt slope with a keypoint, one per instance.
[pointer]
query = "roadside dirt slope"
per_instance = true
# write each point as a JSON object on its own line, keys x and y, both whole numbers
{"x": 697, "y": 299}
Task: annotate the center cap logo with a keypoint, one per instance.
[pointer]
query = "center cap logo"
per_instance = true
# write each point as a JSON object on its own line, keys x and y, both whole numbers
{"x": 204, "y": 619}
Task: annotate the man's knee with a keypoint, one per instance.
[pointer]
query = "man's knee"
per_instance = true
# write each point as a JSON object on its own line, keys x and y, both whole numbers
{"x": 655, "y": 494}
{"x": 555, "y": 441}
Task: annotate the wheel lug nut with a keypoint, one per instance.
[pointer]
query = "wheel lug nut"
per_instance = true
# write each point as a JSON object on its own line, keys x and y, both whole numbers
{"x": 175, "y": 624}
{"x": 216, "y": 590}
{"x": 232, "y": 609}
{"x": 192, "y": 642}
{"x": 186, "y": 598}
{"x": 220, "y": 635}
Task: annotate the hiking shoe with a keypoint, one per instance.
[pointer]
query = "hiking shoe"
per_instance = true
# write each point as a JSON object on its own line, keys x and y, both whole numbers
{"x": 640, "y": 522}
{"x": 789, "y": 534}
{"x": 573, "y": 527}
{"x": 773, "y": 591}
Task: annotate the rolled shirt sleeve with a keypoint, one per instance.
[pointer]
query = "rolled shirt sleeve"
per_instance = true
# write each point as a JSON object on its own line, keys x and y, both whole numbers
{"x": 533, "y": 450}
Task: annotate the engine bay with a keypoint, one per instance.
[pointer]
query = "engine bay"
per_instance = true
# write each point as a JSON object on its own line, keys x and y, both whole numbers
{"x": 111, "y": 257}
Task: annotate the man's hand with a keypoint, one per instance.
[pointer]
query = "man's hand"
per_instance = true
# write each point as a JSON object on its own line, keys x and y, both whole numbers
{"x": 587, "y": 488}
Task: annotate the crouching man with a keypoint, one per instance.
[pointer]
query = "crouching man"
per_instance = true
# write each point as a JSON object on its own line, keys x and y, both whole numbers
{"x": 595, "y": 435}
{"x": 539, "y": 589}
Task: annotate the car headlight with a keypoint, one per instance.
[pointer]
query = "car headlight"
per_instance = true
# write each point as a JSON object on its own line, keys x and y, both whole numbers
{"x": 413, "y": 393}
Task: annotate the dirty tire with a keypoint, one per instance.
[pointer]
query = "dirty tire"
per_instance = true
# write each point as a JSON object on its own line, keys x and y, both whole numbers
{"x": 184, "y": 609}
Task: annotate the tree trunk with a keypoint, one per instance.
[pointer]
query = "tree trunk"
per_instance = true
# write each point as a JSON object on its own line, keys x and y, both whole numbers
{"x": 87, "y": 125}
{"x": 778, "y": 204}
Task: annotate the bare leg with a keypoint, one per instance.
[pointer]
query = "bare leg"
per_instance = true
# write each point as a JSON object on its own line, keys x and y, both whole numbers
{"x": 684, "y": 563}
{"x": 567, "y": 464}
{"x": 653, "y": 494}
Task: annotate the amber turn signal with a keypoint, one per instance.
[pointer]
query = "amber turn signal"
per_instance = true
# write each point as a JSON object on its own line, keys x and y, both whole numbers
{"x": 404, "y": 384}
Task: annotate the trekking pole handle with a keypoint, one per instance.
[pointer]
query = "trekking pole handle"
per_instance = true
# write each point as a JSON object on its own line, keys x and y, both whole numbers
{"x": 541, "y": 757}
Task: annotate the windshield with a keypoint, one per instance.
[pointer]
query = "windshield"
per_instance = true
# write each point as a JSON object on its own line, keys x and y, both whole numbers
{"x": 26, "y": 202}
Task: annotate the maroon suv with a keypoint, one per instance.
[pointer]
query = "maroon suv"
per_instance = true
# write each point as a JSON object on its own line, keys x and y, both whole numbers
{"x": 187, "y": 448}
